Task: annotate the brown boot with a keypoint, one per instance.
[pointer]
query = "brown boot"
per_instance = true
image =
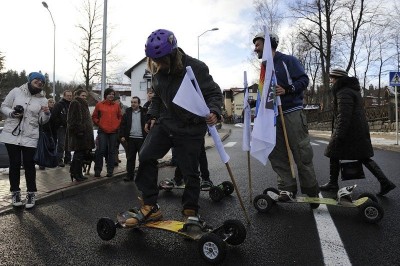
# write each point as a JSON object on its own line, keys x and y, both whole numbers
{"x": 145, "y": 214}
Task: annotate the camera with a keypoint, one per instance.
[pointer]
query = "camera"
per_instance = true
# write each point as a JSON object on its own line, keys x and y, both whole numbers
{"x": 18, "y": 109}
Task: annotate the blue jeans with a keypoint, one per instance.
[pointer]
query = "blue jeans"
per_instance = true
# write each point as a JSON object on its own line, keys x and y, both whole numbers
{"x": 105, "y": 147}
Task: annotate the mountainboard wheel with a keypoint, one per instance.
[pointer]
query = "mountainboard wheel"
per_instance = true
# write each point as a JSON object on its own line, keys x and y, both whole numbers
{"x": 263, "y": 203}
{"x": 216, "y": 193}
{"x": 371, "y": 212}
{"x": 235, "y": 231}
{"x": 106, "y": 229}
{"x": 228, "y": 188}
{"x": 212, "y": 248}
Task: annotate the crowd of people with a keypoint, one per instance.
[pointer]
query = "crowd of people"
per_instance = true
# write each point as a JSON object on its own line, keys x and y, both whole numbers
{"x": 149, "y": 132}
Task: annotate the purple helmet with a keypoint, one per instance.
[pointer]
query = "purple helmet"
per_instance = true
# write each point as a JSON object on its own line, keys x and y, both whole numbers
{"x": 159, "y": 43}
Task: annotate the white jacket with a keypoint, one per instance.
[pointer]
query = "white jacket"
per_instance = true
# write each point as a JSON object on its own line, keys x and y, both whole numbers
{"x": 29, "y": 135}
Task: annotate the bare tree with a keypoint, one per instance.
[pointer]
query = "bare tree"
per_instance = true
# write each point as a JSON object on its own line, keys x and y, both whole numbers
{"x": 90, "y": 46}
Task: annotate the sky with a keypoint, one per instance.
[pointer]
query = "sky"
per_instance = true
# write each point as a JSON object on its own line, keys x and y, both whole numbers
{"x": 27, "y": 35}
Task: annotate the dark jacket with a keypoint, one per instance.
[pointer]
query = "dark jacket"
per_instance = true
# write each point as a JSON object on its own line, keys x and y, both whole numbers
{"x": 175, "y": 118}
{"x": 60, "y": 113}
{"x": 126, "y": 123}
{"x": 289, "y": 71}
{"x": 79, "y": 126}
{"x": 350, "y": 138}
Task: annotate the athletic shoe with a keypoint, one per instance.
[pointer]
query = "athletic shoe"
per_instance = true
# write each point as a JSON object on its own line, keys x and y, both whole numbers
{"x": 16, "y": 199}
{"x": 146, "y": 213}
{"x": 206, "y": 184}
{"x": 30, "y": 200}
{"x": 285, "y": 196}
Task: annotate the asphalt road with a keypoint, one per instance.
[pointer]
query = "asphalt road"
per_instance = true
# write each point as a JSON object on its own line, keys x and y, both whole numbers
{"x": 64, "y": 232}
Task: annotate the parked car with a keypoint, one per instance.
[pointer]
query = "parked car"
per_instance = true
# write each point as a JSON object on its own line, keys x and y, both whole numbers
{"x": 4, "y": 161}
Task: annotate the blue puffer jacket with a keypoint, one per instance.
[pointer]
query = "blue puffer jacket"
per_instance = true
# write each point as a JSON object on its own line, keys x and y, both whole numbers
{"x": 289, "y": 71}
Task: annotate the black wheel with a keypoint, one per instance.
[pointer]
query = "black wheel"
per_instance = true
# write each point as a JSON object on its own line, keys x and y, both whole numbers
{"x": 106, "y": 229}
{"x": 235, "y": 231}
{"x": 263, "y": 203}
{"x": 371, "y": 212}
{"x": 228, "y": 188}
{"x": 212, "y": 248}
{"x": 216, "y": 193}
{"x": 368, "y": 195}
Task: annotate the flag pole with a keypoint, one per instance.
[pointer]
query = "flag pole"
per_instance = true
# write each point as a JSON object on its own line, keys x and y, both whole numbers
{"x": 290, "y": 156}
{"x": 237, "y": 192}
{"x": 249, "y": 172}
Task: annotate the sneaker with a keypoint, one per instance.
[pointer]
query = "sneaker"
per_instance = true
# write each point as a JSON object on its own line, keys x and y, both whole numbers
{"x": 16, "y": 199}
{"x": 206, "y": 184}
{"x": 170, "y": 183}
{"x": 30, "y": 200}
{"x": 285, "y": 196}
{"x": 109, "y": 174}
{"x": 96, "y": 174}
{"x": 192, "y": 221}
{"x": 146, "y": 213}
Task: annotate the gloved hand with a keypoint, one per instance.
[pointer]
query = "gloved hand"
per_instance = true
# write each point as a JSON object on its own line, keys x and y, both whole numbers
{"x": 290, "y": 89}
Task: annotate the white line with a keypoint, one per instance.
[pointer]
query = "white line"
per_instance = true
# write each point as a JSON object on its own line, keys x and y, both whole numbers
{"x": 314, "y": 144}
{"x": 230, "y": 144}
{"x": 331, "y": 244}
{"x": 322, "y": 141}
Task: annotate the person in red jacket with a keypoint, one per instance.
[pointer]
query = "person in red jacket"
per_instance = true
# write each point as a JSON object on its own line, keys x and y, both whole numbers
{"x": 107, "y": 116}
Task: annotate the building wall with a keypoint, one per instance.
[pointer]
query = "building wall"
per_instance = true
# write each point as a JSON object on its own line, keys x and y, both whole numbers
{"x": 139, "y": 85}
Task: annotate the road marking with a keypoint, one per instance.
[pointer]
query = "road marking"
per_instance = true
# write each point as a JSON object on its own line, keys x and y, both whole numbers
{"x": 332, "y": 246}
{"x": 230, "y": 144}
{"x": 322, "y": 141}
{"x": 314, "y": 144}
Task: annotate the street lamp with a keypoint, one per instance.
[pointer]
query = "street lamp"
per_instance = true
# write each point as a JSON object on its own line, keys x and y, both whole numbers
{"x": 198, "y": 41}
{"x": 54, "y": 51}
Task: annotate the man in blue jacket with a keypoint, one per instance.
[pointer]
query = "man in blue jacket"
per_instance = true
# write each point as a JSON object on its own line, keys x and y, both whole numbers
{"x": 292, "y": 81}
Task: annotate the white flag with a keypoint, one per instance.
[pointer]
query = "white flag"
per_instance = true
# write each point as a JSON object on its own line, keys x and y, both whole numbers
{"x": 264, "y": 130}
{"x": 246, "y": 116}
{"x": 190, "y": 98}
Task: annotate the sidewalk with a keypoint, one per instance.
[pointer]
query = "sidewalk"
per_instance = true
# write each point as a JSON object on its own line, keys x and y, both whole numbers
{"x": 55, "y": 183}
{"x": 380, "y": 140}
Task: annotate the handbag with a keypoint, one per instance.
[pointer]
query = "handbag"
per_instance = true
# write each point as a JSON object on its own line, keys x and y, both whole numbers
{"x": 46, "y": 152}
{"x": 351, "y": 170}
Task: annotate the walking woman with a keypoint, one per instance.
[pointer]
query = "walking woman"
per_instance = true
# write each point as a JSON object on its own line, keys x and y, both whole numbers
{"x": 24, "y": 108}
{"x": 79, "y": 132}
{"x": 350, "y": 138}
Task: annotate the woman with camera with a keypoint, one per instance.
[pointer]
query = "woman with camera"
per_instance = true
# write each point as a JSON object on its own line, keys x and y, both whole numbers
{"x": 24, "y": 107}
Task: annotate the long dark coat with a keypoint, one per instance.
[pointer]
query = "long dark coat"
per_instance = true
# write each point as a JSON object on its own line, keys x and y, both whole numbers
{"x": 350, "y": 139}
{"x": 79, "y": 126}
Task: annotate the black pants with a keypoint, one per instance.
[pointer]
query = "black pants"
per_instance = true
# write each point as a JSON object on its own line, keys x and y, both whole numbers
{"x": 133, "y": 147}
{"x": 14, "y": 154}
{"x": 204, "y": 173}
{"x": 156, "y": 145}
